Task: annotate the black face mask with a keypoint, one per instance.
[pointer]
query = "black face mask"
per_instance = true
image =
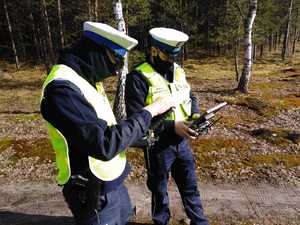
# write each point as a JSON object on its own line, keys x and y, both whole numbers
{"x": 91, "y": 61}
{"x": 163, "y": 66}
{"x": 103, "y": 67}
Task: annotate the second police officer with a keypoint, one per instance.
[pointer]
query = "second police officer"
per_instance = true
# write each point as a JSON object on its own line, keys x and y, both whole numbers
{"x": 161, "y": 76}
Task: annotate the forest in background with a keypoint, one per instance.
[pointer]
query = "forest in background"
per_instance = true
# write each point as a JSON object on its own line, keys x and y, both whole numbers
{"x": 38, "y": 29}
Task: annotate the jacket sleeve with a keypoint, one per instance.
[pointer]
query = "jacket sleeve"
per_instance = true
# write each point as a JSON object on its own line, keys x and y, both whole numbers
{"x": 67, "y": 110}
{"x": 195, "y": 104}
{"x": 136, "y": 92}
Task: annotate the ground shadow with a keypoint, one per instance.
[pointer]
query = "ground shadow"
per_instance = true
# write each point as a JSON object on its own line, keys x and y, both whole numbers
{"x": 13, "y": 218}
{"x": 135, "y": 223}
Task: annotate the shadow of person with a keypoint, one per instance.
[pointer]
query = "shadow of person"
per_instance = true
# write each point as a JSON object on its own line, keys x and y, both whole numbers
{"x": 136, "y": 223}
{"x": 14, "y": 218}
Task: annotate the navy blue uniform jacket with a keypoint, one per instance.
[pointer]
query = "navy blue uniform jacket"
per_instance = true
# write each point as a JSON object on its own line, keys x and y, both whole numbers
{"x": 65, "y": 107}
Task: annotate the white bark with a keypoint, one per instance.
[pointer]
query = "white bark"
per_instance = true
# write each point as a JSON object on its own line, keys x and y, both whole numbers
{"x": 90, "y": 10}
{"x": 96, "y": 10}
{"x": 59, "y": 10}
{"x": 249, "y": 21}
{"x": 236, "y": 59}
{"x": 48, "y": 35}
{"x": 119, "y": 104}
{"x": 11, "y": 35}
{"x": 285, "y": 46}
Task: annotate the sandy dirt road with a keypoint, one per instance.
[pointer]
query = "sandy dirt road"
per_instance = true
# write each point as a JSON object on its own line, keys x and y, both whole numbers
{"x": 43, "y": 204}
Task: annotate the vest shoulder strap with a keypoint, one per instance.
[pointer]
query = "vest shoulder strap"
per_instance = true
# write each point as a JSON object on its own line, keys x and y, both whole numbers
{"x": 152, "y": 77}
{"x": 179, "y": 74}
{"x": 145, "y": 69}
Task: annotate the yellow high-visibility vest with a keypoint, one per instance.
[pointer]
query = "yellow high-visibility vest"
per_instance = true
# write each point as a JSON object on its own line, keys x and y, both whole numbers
{"x": 104, "y": 170}
{"x": 179, "y": 89}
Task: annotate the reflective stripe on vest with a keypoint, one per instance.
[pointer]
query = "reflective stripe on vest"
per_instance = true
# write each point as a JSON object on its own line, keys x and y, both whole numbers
{"x": 179, "y": 89}
{"x": 104, "y": 170}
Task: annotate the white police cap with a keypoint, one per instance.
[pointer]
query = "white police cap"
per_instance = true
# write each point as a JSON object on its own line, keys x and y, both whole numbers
{"x": 168, "y": 39}
{"x": 104, "y": 34}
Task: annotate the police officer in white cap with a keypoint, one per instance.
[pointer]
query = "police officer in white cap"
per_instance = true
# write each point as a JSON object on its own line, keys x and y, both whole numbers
{"x": 161, "y": 76}
{"x": 89, "y": 144}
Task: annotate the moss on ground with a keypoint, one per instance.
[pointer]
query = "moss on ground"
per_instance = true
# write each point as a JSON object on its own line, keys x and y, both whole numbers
{"x": 219, "y": 157}
{"x": 208, "y": 150}
{"x": 217, "y": 143}
{"x": 286, "y": 160}
{"x": 289, "y": 101}
{"x": 265, "y": 87}
{"x": 40, "y": 148}
{"x": 261, "y": 106}
{"x": 265, "y": 106}
{"x": 5, "y": 143}
{"x": 25, "y": 117}
{"x": 277, "y": 136}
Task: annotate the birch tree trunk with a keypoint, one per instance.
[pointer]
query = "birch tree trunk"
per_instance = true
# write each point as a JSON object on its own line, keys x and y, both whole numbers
{"x": 59, "y": 11}
{"x": 11, "y": 35}
{"x": 295, "y": 33}
{"x": 96, "y": 10}
{"x": 285, "y": 48}
{"x": 236, "y": 59}
{"x": 48, "y": 36}
{"x": 90, "y": 10}
{"x": 119, "y": 104}
{"x": 249, "y": 21}
{"x": 236, "y": 52}
{"x": 253, "y": 52}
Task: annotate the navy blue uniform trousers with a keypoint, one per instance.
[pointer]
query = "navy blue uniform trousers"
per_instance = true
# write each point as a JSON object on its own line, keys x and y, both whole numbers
{"x": 114, "y": 207}
{"x": 180, "y": 162}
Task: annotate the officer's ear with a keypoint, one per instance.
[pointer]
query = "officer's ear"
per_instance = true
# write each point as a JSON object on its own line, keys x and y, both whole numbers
{"x": 154, "y": 51}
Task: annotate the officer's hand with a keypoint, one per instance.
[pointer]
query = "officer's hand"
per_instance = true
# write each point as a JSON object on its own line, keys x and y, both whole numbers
{"x": 160, "y": 105}
{"x": 182, "y": 129}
